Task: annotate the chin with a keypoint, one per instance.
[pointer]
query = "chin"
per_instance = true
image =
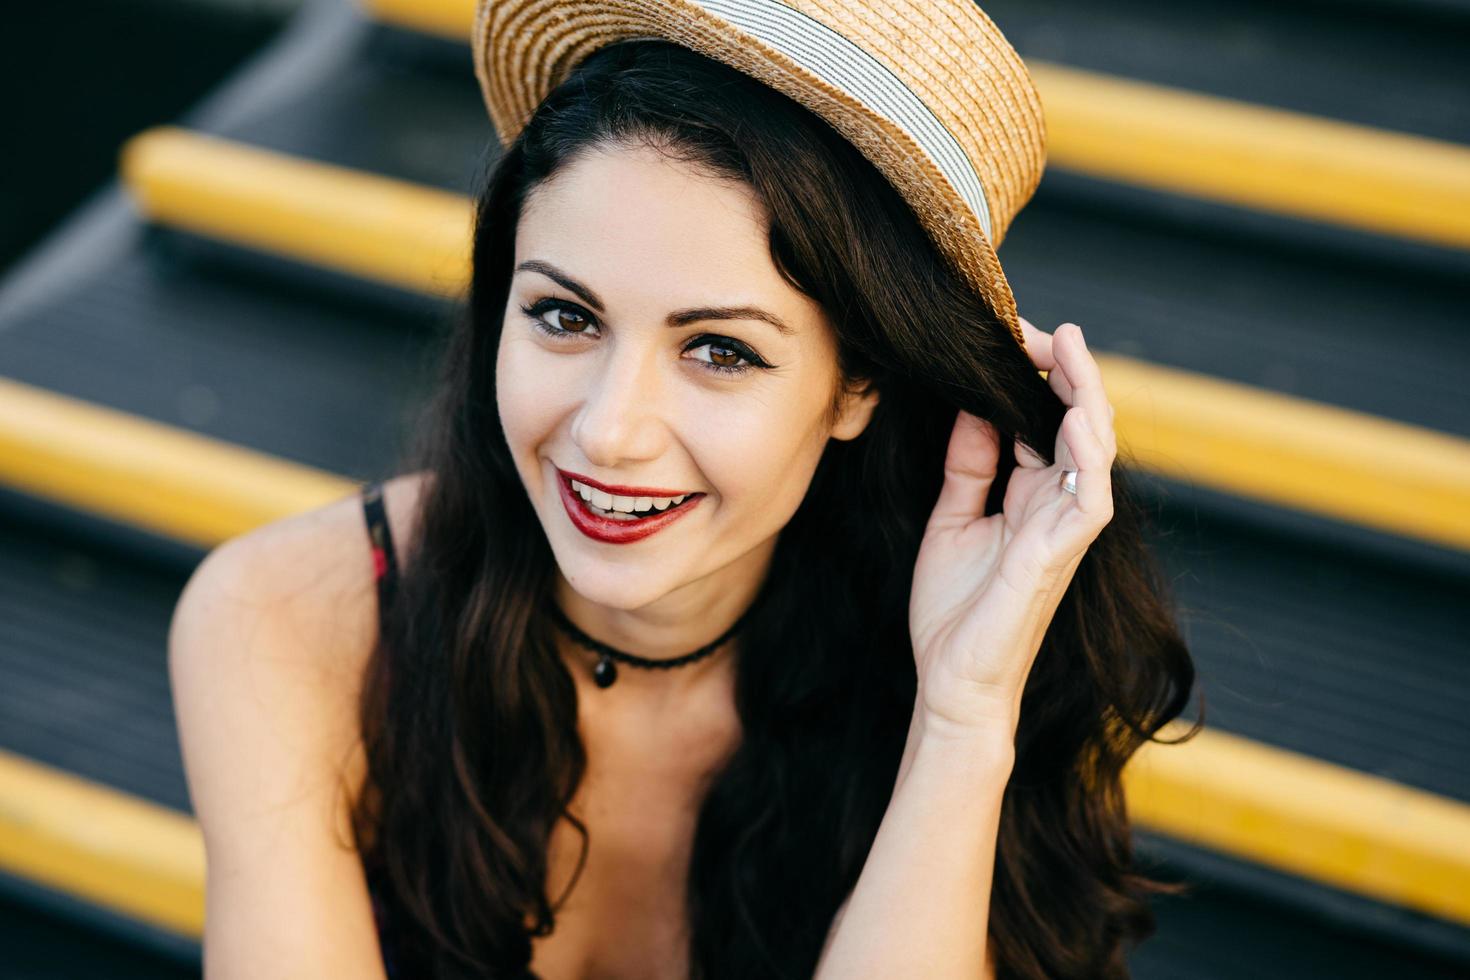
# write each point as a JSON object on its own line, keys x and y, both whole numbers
{"x": 610, "y": 585}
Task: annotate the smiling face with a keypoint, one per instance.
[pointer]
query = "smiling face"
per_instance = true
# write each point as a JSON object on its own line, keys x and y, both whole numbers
{"x": 649, "y": 342}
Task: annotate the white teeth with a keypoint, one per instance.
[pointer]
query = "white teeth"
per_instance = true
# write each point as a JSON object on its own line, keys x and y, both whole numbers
{"x": 624, "y": 505}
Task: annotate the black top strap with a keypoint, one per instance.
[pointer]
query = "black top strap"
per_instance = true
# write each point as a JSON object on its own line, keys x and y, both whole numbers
{"x": 385, "y": 562}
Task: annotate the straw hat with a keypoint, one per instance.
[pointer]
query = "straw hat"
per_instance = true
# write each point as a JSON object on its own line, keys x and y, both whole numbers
{"x": 930, "y": 91}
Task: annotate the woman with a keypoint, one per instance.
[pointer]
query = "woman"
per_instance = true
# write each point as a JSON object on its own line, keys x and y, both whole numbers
{"x": 913, "y": 653}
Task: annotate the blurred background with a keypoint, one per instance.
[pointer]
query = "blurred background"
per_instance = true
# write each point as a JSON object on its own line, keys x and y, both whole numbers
{"x": 230, "y": 233}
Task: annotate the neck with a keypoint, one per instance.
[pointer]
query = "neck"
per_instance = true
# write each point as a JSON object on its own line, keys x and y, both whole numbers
{"x": 676, "y": 624}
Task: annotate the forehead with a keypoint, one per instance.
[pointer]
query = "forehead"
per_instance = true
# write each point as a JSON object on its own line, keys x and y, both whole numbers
{"x": 617, "y": 217}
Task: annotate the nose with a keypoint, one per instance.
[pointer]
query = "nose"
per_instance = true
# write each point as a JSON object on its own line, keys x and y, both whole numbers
{"x": 620, "y": 421}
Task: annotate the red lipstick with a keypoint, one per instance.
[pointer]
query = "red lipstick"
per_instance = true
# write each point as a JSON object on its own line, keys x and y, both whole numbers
{"x": 619, "y": 491}
{"x": 611, "y": 530}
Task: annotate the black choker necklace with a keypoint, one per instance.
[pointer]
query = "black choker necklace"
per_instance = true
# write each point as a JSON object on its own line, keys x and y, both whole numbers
{"x": 606, "y": 671}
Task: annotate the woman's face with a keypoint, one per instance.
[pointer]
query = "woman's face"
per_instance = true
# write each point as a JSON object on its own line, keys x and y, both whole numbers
{"x": 662, "y": 352}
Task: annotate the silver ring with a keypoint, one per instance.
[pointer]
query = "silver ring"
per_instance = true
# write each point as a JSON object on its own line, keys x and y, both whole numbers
{"x": 1069, "y": 481}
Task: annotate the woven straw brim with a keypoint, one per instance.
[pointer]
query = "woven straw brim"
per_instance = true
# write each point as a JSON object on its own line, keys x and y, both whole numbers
{"x": 966, "y": 73}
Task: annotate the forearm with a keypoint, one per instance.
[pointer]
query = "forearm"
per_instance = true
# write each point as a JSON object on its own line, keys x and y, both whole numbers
{"x": 921, "y": 904}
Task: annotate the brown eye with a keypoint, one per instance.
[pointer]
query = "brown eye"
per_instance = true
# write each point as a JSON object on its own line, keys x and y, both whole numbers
{"x": 724, "y": 356}
{"x": 569, "y": 320}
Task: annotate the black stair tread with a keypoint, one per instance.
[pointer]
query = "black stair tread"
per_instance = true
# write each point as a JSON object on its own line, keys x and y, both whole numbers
{"x": 312, "y": 375}
{"x": 1377, "y": 65}
{"x": 380, "y": 115}
{"x": 1320, "y": 328}
{"x": 83, "y": 649}
{"x": 1354, "y": 659}
{"x": 1217, "y": 933}
{"x": 1241, "y": 889}
{"x": 44, "y": 945}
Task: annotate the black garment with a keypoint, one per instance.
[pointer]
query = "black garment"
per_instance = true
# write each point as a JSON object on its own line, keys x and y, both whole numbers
{"x": 385, "y": 565}
{"x": 381, "y": 538}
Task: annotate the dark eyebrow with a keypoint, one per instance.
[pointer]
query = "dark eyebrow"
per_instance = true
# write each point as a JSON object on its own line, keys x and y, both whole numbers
{"x": 676, "y": 319}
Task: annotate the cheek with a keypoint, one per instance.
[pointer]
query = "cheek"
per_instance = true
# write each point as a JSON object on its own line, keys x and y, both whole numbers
{"x": 759, "y": 459}
{"x": 528, "y": 409}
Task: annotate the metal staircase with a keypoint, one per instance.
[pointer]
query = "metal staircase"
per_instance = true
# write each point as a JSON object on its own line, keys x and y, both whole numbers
{"x": 1260, "y": 213}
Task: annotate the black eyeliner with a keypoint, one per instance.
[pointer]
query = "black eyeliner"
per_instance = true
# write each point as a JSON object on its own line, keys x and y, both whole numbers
{"x": 743, "y": 350}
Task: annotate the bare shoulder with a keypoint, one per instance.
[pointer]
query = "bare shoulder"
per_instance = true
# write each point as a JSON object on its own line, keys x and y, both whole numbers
{"x": 266, "y": 651}
{"x": 295, "y": 598}
{"x": 311, "y": 573}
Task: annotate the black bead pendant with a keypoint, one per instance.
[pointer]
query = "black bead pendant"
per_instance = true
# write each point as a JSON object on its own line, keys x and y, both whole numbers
{"x": 605, "y": 672}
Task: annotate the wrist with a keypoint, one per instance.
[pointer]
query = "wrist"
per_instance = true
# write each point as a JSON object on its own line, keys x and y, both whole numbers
{"x": 962, "y": 709}
{"x": 989, "y": 745}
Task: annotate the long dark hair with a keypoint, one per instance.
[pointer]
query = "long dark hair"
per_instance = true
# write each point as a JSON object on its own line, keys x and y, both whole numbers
{"x": 469, "y": 718}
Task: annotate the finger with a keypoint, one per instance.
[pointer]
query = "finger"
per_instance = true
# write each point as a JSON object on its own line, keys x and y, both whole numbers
{"x": 969, "y": 470}
{"x": 1058, "y": 378}
{"x": 1038, "y": 345}
{"x": 1091, "y": 458}
{"x": 1084, "y": 377}
{"x": 1062, "y": 453}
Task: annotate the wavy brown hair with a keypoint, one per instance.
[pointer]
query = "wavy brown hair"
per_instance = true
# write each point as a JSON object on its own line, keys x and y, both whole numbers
{"x": 469, "y": 715}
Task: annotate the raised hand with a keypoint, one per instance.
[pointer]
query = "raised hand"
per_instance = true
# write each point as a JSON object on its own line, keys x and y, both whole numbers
{"x": 985, "y": 588}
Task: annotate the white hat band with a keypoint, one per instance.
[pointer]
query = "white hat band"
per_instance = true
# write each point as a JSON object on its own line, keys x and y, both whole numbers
{"x": 852, "y": 70}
